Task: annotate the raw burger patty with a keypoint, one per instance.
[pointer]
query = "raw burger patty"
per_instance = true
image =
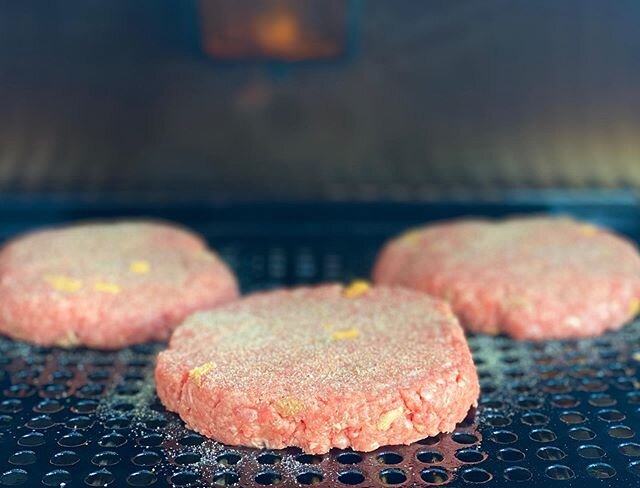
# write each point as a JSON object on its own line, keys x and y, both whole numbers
{"x": 107, "y": 285}
{"x": 531, "y": 278}
{"x": 320, "y": 368}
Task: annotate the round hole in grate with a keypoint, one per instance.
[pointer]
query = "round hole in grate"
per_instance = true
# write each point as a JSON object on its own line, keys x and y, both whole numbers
{"x": 511, "y": 455}
{"x": 225, "y": 478}
{"x": 117, "y": 423}
{"x": 5, "y": 421}
{"x": 470, "y": 456}
{"x": 150, "y": 440}
{"x": 22, "y": 458}
{"x": 476, "y": 475}
{"x": 393, "y": 476}
{"x": 349, "y": 458}
{"x": 559, "y": 472}
{"x": 183, "y": 478}
{"x": 465, "y": 438}
{"x": 146, "y": 458}
{"x": 517, "y": 473}
{"x": 112, "y": 440}
{"x": 565, "y": 401}
{"x": 620, "y": 432}
{"x": 389, "y": 458}
{"x": 582, "y": 434}
{"x": 429, "y": 457}
{"x": 630, "y": 449}
{"x": 572, "y": 417}
{"x": 429, "y": 441}
{"x": 142, "y": 478}
{"x": 542, "y": 435}
{"x": 127, "y": 389}
{"x": 435, "y": 476}
{"x": 589, "y": 384}
{"x": 91, "y": 390}
{"x": 48, "y": 406}
{"x": 123, "y": 407}
{"x": 81, "y": 422}
{"x": 102, "y": 477}
{"x": 504, "y": 437}
{"x": 625, "y": 383}
{"x": 85, "y": 406}
{"x": 62, "y": 375}
{"x": 601, "y": 471}
{"x": 310, "y": 478}
{"x": 309, "y": 458}
{"x": 634, "y": 468}
{"x": 185, "y": 458}
{"x": 611, "y": 415}
{"x": 191, "y": 440}
{"x": 41, "y": 422}
{"x": 99, "y": 375}
{"x": 602, "y": 400}
{"x": 12, "y": 405}
{"x": 20, "y": 390}
{"x": 534, "y": 419}
{"x": 268, "y": 478}
{"x": 64, "y": 458}
{"x": 351, "y": 477}
{"x": 551, "y": 453}
{"x": 497, "y": 420}
{"x": 229, "y": 458}
{"x": 590, "y": 451}
{"x": 74, "y": 439}
{"x": 155, "y": 423}
{"x": 633, "y": 397}
{"x": 56, "y": 477}
{"x": 529, "y": 402}
{"x": 269, "y": 458}
{"x": 493, "y": 404}
{"x": 33, "y": 439}
{"x": 134, "y": 375}
{"x": 106, "y": 458}
{"x": 14, "y": 477}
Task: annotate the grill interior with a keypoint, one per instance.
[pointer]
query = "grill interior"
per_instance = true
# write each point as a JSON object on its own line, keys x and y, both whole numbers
{"x": 563, "y": 413}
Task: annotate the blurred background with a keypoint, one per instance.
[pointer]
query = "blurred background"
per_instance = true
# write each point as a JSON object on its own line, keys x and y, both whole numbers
{"x": 301, "y": 99}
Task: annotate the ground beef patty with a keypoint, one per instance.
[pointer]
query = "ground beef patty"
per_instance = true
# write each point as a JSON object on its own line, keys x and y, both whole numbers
{"x": 107, "y": 285}
{"x": 531, "y": 278}
{"x": 320, "y": 368}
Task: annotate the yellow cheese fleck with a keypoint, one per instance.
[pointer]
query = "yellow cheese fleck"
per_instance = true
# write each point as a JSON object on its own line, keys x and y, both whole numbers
{"x": 411, "y": 236}
{"x": 356, "y": 289}
{"x": 634, "y": 307}
{"x": 104, "y": 287}
{"x": 387, "y": 418}
{"x": 139, "y": 267}
{"x": 344, "y": 334}
{"x": 636, "y": 356}
{"x": 288, "y": 406}
{"x": 63, "y": 283}
{"x": 588, "y": 230}
{"x": 197, "y": 373}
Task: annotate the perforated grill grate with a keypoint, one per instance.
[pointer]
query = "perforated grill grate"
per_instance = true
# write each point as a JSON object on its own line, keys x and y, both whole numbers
{"x": 559, "y": 413}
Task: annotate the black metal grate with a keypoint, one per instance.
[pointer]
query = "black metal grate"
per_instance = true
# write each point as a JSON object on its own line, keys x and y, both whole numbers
{"x": 561, "y": 413}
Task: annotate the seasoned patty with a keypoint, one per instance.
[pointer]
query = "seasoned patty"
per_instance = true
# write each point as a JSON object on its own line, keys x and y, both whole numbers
{"x": 320, "y": 368}
{"x": 530, "y": 277}
{"x": 107, "y": 285}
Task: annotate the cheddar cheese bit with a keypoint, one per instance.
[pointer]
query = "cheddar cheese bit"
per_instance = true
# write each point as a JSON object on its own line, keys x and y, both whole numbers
{"x": 356, "y": 289}
{"x": 198, "y": 372}
{"x": 104, "y": 287}
{"x": 387, "y": 418}
{"x": 139, "y": 267}
{"x": 588, "y": 230}
{"x": 63, "y": 283}
{"x": 410, "y": 236}
{"x": 344, "y": 334}
{"x": 634, "y": 307}
{"x": 288, "y": 406}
